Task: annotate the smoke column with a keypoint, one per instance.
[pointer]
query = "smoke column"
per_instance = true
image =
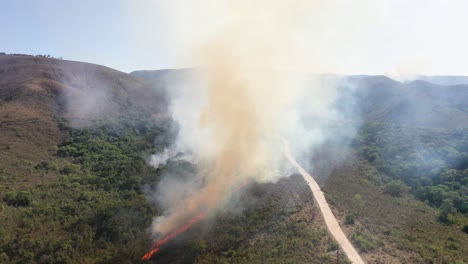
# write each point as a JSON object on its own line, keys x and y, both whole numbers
{"x": 252, "y": 92}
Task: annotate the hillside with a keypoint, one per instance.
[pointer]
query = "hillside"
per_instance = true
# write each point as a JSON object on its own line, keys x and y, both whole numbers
{"x": 400, "y": 189}
{"x": 74, "y": 176}
{"x": 417, "y": 103}
{"x": 75, "y": 138}
{"x": 444, "y": 79}
{"x": 36, "y": 93}
{"x": 82, "y": 90}
{"x": 400, "y": 192}
{"x": 67, "y": 165}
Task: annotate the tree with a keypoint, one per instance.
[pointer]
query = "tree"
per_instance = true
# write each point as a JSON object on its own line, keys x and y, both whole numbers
{"x": 396, "y": 188}
{"x": 358, "y": 203}
{"x": 447, "y": 211}
{"x": 23, "y": 198}
{"x": 9, "y": 198}
{"x": 70, "y": 169}
{"x": 350, "y": 218}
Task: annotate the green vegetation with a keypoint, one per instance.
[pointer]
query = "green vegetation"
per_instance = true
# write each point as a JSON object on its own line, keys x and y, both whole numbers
{"x": 433, "y": 165}
{"x": 358, "y": 203}
{"x": 365, "y": 241}
{"x": 392, "y": 229}
{"x": 95, "y": 211}
{"x": 283, "y": 226}
{"x": 22, "y": 198}
{"x": 413, "y": 183}
{"x": 465, "y": 229}
{"x": 396, "y": 188}
{"x": 350, "y": 219}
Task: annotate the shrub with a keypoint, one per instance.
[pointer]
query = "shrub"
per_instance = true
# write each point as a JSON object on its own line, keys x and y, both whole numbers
{"x": 396, "y": 188}
{"x": 365, "y": 241}
{"x": 447, "y": 212}
{"x": 43, "y": 165}
{"x": 23, "y": 198}
{"x": 9, "y": 198}
{"x": 358, "y": 203}
{"x": 70, "y": 169}
{"x": 465, "y": 229}
{"x": 198, "y": 246}
{"x": 350, "y": 218}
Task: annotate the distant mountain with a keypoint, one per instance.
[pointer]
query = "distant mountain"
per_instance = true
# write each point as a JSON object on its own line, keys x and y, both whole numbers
{"x": 418, "y": 103}
{"x": 380, "y": 99}
{"x": 444, "y": 79}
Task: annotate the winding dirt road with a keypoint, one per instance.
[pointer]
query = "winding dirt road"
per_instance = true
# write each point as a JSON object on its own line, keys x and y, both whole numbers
{"x": 330, "y": 220}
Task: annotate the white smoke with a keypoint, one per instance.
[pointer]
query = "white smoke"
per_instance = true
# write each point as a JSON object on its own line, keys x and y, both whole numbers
{"x": 250, "y": 92}
{"x": 162, "y": 158}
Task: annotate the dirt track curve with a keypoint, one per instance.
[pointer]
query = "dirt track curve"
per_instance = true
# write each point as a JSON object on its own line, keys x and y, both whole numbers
{"x": 330, "y": 220}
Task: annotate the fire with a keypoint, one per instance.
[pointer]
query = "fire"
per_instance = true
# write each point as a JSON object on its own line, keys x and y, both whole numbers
{"x": 192, "y": 221}
{"x": 149, "y": 254}
{"x": 159, "y": 243}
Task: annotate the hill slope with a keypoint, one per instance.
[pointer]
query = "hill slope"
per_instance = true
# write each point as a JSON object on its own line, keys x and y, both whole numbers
{"x": 37, "y": 93}
{"x": 418, "y": 103}
{"x": 401, "y": 189}
{"x": 74, "y": 139}
{"x": 380, "y": 99}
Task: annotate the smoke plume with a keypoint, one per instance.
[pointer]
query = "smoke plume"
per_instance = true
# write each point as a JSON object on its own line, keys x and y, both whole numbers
{"x": 249, "y": 93}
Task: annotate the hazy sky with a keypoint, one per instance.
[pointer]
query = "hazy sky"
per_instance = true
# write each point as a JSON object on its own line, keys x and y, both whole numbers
{"x": 392, "y": 36}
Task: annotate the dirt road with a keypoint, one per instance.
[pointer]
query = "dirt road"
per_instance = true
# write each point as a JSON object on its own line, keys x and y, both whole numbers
{"x": 330, "y": 220}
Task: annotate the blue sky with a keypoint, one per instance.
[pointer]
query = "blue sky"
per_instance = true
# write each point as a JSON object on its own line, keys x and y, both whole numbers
{"x": 399, "y": 37}
{"x": 85, "y": 30}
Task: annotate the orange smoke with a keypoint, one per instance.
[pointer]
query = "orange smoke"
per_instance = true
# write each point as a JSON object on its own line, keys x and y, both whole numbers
{"x": 159, "y": 243}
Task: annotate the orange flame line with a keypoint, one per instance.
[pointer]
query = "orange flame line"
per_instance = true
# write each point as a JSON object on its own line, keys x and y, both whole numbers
{"x": 148, "y": 255}
{"x": 157, "y": 244}
{"x": 195, "y": 219}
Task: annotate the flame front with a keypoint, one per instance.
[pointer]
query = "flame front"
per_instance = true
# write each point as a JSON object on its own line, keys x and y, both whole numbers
{"x": 159, "y": 243}
{"x": 192, "y": 221}
{"x": 149, "y": 254}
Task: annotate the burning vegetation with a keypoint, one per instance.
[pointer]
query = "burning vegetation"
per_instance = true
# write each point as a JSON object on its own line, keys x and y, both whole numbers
{"x": 159, "y": 243}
